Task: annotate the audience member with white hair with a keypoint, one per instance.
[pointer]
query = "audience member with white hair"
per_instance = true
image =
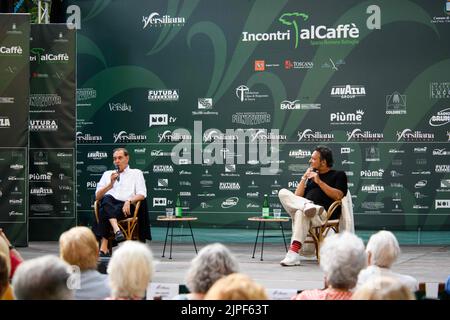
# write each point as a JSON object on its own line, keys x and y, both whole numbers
{"x": 79, "y": 248}
{"x": 383, "y": 288}
{"x": 44, "y": 278}
{"x": 382, "y": 251}
{"x": 212, "y": 263}
{"x": 342, "y": 257}
{"x": 130, "y": 271}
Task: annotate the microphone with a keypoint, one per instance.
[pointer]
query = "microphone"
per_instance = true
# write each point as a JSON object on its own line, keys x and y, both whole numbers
{"x": 118, "y": 177}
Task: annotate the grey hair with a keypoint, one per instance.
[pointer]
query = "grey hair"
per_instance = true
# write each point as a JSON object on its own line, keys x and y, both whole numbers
{"x": 43, "y": 278}
{"x": 384, "y": 249}
{"x": 342, "y": 257}
{"x": 130, "y": 270}
{"x": 125, "y": 151}
{"x": 212, "y": 262}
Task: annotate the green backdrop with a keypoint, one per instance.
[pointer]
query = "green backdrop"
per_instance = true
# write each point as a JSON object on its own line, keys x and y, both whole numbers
{"x": 369, "y": 79}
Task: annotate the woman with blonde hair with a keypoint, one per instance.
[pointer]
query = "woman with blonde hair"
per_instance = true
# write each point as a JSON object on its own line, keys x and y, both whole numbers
{"x": 79, "y": 248}
{"x": 236, "y": 286}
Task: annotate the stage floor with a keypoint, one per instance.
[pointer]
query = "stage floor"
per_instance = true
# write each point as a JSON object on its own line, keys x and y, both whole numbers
{"x": 425, "y": 263}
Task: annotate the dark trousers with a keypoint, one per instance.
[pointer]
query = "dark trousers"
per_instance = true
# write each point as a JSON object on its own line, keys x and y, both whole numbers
{"x": 110, "y": 208}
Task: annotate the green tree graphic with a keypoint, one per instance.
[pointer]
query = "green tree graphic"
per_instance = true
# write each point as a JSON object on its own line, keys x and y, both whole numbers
{"x": 289, "y": 19}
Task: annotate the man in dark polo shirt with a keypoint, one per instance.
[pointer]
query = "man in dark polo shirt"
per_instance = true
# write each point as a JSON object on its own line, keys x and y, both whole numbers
{"x": 319, "y": 187}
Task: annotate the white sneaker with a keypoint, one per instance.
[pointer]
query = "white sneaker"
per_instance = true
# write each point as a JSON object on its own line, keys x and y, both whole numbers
{"x": 292, "y": 259}
{"x": 310, "y": 210}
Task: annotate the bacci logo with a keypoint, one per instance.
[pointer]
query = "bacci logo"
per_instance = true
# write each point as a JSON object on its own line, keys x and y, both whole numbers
{"x": 39, "y": 55}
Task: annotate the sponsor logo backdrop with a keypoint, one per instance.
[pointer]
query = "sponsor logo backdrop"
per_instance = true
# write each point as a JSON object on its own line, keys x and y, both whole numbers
{"x": 52, "y": 130}
{"x": 14, "y": 90}
{"x": 370, "y": 81}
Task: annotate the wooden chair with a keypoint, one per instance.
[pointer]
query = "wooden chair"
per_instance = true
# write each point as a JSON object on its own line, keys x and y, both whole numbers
{"x": 318, "y": 234}
{"x": 128, "y": 226}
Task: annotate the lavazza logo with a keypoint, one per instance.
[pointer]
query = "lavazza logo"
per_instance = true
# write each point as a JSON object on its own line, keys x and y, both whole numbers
{"x": 43, "y": 125}
{"x": 353, "y": 118}
{"x": 358, "y": 135}
{"x": 97, "y": 155}
{"x": 309, "y": 135}
{"x": 299, "y": 154}
{"x": 5, "y": 123}
{"x": 154, "y": 19}
{"x": 163, "y": 95}
{"x": 348, "y": 91}
{"x": 372, "y": 188}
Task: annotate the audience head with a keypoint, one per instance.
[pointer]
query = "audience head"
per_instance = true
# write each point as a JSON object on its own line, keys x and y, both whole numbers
{"x": 130, "y": 270}
{"x": 44, "y": 278}
{"x": 5, "y": 250}
{"x": 78, "y": 246}
{"x": 382, "y": 249}
{"x": 383, "y": 288}
{"x": 4, "y": 274}
{"x": 212, "y": 262}
{"x": 342, "y": 257}
{"x": 236, "y": 286}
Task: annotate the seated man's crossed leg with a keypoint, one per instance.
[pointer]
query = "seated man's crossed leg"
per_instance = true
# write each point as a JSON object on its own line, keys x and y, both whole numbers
{"x": 109, "y": 213}
{"x": 304, "y": 214}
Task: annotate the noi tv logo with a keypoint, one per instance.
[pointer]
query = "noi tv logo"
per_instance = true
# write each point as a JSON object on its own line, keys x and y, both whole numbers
{"x": 442, "y": 204}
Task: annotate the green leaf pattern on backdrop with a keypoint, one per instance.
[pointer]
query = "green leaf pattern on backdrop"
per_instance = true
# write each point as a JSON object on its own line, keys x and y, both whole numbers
{"x": 219, "y": 43}
{"x": 169, "y": 32}
{"x": 117, "y": 80}
{"x": 316, "y": 81}
{"x": 87, "y": 46}
{"x": 99, "y": 6}
{"x": 260, "y": 18}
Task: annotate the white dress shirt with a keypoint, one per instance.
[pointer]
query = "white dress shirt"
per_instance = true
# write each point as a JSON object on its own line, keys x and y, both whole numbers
{"x": 131, "y": 183}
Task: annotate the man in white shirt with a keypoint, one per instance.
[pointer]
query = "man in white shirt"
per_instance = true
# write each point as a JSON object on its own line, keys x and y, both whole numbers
{"x": 118, "y": 191}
